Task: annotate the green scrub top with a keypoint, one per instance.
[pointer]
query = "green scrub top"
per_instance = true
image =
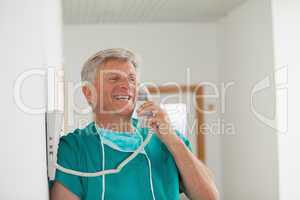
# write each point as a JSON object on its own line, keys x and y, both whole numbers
{"x": 81, "y": 151}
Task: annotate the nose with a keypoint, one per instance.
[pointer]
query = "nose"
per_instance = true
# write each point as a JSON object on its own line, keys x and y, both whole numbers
{"x": 125, "y": 85}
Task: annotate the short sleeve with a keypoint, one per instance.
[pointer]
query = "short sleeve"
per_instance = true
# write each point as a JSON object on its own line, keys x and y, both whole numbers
{"x": 67, "y": 158}
{"x": 184, "y": 139}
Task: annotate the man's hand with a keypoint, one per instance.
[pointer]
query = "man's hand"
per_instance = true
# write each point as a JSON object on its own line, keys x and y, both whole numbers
{"x": 159, "y": 121}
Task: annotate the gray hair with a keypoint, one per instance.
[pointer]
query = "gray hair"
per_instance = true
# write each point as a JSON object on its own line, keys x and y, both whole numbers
{"x": 89, "y": 70}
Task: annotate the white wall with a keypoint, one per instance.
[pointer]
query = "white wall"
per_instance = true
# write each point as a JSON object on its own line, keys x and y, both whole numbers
{"x": 164, "y": 47}
{"x": 250, "y": 166}
{"x": 167, "y": 50}
{"x": 30, "y": 38}
{"x": 286, "y": 18}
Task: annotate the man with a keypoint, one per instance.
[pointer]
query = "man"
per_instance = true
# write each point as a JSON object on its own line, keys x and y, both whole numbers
{"x": 161, "y": 171}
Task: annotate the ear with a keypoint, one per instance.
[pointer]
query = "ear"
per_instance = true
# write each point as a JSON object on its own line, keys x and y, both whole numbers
{"x": 87, "y": 92}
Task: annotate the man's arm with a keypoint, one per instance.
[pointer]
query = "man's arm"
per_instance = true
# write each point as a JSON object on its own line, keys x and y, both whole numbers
{"x": 197, "y": 180}
{"x": 196, "y": 177}
{"x": 59, "y": 192}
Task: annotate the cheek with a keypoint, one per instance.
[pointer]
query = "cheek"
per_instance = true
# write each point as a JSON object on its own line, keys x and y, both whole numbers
{"x": 105, "y": 89}
{"x": 135, "y": 96}
{"x": 107, "y": 92}
{"x": 134, "y": 88}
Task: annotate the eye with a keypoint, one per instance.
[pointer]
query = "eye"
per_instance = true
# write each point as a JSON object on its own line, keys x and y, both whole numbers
{"x": 113, "y": 78}
{"x": 132, "y": 79}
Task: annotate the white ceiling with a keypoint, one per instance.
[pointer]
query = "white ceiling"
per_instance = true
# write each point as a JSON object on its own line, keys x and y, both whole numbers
{"x": 145, "y": 11}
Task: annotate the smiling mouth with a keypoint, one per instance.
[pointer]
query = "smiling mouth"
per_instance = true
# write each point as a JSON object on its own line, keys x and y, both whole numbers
{"x": 122, "y": 97}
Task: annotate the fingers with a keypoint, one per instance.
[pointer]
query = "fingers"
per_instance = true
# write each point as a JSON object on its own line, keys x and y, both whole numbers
{"x": 149, "y": 111}
{"x": 158, "y": 120}
{"x": 158, "y": 126}
{"x": 148, "y": 107}
{"x": 145, "y": 105}
{"x": 153, "y": 123}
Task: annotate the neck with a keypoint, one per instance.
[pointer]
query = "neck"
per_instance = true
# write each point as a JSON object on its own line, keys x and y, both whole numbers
{"x": 114, "y": 123}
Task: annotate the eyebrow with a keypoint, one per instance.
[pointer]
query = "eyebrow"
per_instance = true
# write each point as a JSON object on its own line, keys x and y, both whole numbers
{"x": 117, "y": 74}
{"x": 132, "y": 75}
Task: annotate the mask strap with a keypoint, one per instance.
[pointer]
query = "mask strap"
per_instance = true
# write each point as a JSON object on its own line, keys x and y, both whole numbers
{"x": 150, "y": 176}
{"x": 103, "y": 167}
{"x": 150, "y": 166}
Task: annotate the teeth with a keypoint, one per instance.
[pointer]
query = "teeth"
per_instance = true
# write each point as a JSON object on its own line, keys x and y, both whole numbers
{"x": 122, "y": 97}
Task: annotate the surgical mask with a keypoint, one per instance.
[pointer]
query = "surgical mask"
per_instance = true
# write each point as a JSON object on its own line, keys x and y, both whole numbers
{"x": 120, "y": 141}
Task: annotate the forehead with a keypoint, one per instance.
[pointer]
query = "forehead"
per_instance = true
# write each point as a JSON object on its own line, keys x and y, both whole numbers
{"x": 115, "y": 65}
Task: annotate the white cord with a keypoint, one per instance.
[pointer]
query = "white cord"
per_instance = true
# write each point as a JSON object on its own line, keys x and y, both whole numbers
{"x": 103, "y": 167}
{"x": 150, "y": 174}
{"x": 109, "y": 171}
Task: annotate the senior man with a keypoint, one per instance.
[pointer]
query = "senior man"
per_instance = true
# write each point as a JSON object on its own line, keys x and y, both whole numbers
{"x": 164, "y": 168}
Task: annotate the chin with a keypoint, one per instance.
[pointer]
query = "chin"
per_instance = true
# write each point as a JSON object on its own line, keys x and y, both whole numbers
{"x": 124, "y": 111}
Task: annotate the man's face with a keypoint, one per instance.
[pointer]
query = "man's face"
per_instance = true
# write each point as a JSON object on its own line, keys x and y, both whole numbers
{"x": 116, "y": 87}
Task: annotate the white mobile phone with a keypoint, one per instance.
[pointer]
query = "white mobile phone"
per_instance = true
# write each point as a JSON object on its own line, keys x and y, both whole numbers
{"x": 143, "y": 95}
